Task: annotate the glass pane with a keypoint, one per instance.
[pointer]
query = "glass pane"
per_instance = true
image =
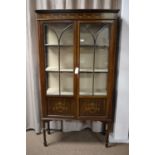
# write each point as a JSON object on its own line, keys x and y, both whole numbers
{"x": 101, "y": 59}
{"x": 66, "y": 83}
{"x": 57, "y": 33}
{"x": 52, "y": 59}
{"x": 50, "y": 35}
{"x": 94, "y": 33}
{"x": 52, "y": 84}
{"x": 59, "y": 58}
{"x": 67, "y": 36}
{"x": 86, "y": 59}
{"x": 102, "y": 37}
{"x": 100, "y": 84}
{"x": 86, "y": 80}
{"x": 94, "y": 47}
{"x": 66, "y": 58}
{"x": 85, "y": 36}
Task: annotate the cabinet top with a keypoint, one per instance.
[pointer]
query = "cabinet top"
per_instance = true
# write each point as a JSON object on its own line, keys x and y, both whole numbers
{"x": 78, "y": 11}
{"x": 76, "y": 14}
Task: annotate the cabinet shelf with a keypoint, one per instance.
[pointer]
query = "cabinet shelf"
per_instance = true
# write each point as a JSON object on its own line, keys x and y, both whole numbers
{"x": 95, "y": 71}
{"x": 50, "y": 45}
{"x": 66, "y": 93}
{"x": 98, "y": 46}
{"x": 51, "y": 91}
{"x": 95, "y": 93}
{"x": 101, "y": 70}
{"x": 85, "y": 93}
{"x": 100, "y": 93}
{"x": 51, "y": 69}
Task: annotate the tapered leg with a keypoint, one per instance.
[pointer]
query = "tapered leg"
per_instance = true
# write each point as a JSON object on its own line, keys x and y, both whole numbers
{"x": 107, "y": 135}
{"x": 104, "y": 128}
{"x": 44, "y": 133}
{"x": 61, "y": 125}
{"x": 48, "y": 127}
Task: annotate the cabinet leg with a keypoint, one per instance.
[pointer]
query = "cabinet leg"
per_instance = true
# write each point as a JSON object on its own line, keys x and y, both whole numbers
{"x": 107, "y": 135}
{"x": 48, "y": 127}
{"x": 104, "y": 128}
{"x": 62, "y": 125}
{"x": 44, "y": 134}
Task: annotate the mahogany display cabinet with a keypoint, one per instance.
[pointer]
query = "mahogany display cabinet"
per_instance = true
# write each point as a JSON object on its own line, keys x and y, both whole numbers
{"x": 77, "y": 61}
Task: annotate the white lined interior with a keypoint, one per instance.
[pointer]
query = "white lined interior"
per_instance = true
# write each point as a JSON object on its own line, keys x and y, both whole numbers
{"x": 100, "y": 83}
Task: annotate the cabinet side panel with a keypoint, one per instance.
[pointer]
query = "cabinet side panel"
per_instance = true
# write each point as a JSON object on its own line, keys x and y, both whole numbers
{"x": 42, "y": 66}
{"x": 112, "y": 55}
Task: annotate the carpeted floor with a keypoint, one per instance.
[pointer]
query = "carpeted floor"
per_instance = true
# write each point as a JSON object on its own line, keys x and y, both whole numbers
{"x": 72, "y": 143}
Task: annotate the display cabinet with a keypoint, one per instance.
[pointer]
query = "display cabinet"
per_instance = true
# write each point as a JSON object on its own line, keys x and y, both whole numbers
{"x": 77, "y": 64}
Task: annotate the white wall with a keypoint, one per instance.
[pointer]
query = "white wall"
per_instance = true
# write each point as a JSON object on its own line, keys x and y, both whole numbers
{"x": 121, "y": 126}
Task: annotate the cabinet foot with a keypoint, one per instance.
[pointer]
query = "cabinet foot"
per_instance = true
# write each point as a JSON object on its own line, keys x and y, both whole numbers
{"x": 107, "y": 140}
{"x": 107, "y": 135}
{"x": 45, "y": 144}
{"x": 106, "y": 145}
{"x": 44, "y": 134}
{"x": 48, "y": 127}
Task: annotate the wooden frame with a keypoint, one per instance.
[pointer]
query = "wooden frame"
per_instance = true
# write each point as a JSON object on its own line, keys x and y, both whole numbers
{"x": 70, "y": 107}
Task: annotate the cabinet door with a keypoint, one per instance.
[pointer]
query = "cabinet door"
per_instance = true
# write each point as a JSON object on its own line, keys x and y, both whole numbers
{"x": 94, "y": 51}
{"x": 59, "y": 59}
{"x": 96, "y": 67}
{"x": 58, "y": 62}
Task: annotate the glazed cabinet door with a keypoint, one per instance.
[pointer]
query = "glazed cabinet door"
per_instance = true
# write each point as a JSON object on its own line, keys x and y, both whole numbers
{"x": 94, "y": 65}
{"x": 59, "y": 64}
{"x": 76, "y": 68}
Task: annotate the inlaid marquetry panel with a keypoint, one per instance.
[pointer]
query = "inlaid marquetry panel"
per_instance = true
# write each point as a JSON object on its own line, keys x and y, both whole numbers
{"x": 76, "y": 16}
{"x": 92, "y": 107}
{"x": 60, "y": 106}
